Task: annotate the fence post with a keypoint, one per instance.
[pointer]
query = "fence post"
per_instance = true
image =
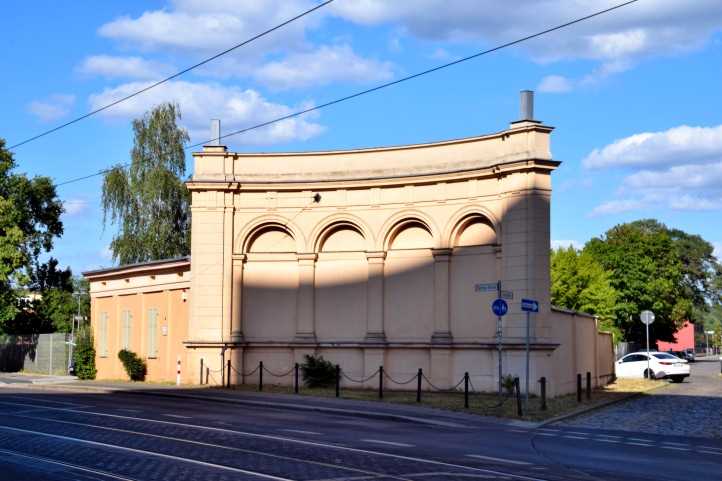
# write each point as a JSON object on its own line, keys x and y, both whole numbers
{"x": 589, "y": 385}
{"x": 338, "y": 380}
{"x": 579, "y": 388}
{"x": 208, "y": 373}
{"x": 518, "y": 396}
{"x": 466, "y": 390}
{"x": 418, "y": 385}
{"x": 228, "y": 369}
{"x": 201, "y": 371}
{"x": 295, "y": 379}
{"x": 381, "y": 382}
{"x": 543, "y": 382}
{"x": 260, "y": 375}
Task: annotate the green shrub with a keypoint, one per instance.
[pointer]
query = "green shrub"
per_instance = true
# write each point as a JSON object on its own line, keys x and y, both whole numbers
{"x": 507, "y": 383}
{"x": 134, "y": 366}
{"x": 318, "y": 372}
{"x": 84, "y": 354}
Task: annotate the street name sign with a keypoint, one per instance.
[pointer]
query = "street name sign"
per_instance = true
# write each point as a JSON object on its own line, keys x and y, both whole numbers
{"x": 529, "y": 305}
{"x": 486, "y": 287}
{"x": 499, "y": 307}
{"x": 507, "y": 294}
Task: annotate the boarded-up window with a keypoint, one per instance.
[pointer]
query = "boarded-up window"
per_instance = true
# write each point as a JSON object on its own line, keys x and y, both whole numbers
{"x": 103, "y": 335}
{"x": 126, "y": 329}
{"x": 152, "y": 332}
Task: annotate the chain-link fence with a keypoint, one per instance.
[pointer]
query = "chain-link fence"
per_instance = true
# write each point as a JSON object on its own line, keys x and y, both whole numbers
{"x": 36, "y": 353}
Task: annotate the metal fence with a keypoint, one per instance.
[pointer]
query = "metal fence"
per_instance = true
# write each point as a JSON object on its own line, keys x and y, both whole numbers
{"x": 36, "y": 353}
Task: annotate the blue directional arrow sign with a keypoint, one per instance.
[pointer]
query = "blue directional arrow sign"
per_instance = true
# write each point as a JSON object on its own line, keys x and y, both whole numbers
{"x": 529, "y": 305}
{"x": 499, "y": 307}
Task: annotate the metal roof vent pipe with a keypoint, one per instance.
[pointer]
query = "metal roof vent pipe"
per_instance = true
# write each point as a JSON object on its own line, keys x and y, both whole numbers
{"x": 215, "y": 132}
{"x": 527, "y": 105}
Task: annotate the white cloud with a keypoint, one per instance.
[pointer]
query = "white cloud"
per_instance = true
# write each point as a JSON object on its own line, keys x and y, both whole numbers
{"x": 556, "y": 244}
{"x": 717, "y": 250}
{"x": 200, "y": 102}
{"x": 106, "y": 253}
{"x": 683, "y": 177}
{"x": 126, "y": 67}
{"x": 651, "y": 27}
{"x": 554, "y": 84}
{"x": 617, "y": 207}
{"x": 74, "y": 207}
{"x": 322, "y": 66}
{"x": 679, "y": 144}
{"x": 53, "y": 108}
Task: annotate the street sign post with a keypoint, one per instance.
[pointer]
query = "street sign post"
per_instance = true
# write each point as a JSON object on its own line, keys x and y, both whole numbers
{"x": 499, "y": 307}
{"x": 647, "y": 318}
{"x": 528, "y": 306}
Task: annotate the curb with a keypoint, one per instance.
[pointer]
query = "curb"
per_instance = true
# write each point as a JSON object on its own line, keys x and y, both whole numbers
{"x": 267, "y": 404}
{"x": 588, "y": 409}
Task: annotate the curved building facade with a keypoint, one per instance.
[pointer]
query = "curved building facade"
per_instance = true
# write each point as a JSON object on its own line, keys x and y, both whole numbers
{"x": 382, "y": 256}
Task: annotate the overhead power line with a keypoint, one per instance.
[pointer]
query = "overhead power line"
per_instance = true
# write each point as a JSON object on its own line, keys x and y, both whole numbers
{"x": 175, "y": 75}
{"x": 394, "y": 82}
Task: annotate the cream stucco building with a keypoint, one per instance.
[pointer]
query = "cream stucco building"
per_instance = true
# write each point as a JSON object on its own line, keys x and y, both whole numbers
{"x": 369, "y": 257}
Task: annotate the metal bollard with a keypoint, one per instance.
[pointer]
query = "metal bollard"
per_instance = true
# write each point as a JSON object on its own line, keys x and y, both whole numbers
{"x": 260, "y": 375}
{"x": 589, "y": 385}
{"x": 518, "y": 396}
{"x": 228, "y": 370}
{"x": 466, "y": 390}
{"x": 381, "y": 382}
{"x": 338, "y": 381}
{"x": 295, "y": 379}
{"x": 543, "y": 393}
{"x": 201, "y": 371}
{"x": 208, "y": 373}
{"x": 579, "y": 388}
{"x": 418, "y": 385}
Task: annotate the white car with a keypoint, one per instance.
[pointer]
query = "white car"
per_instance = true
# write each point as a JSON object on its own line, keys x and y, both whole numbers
{"x": 661, "y": 365}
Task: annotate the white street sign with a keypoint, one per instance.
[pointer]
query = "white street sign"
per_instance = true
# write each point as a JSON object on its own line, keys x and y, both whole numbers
{"x": 647, "y": 317}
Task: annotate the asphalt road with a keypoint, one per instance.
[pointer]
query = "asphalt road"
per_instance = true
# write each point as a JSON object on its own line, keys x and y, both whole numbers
{"x": 56, "y": 435}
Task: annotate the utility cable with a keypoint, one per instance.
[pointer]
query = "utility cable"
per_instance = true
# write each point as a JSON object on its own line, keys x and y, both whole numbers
{"x": 394, "y": 82}
{"x": 175, "y": 75}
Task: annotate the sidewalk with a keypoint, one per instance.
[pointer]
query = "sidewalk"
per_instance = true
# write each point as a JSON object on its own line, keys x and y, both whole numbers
{"x": 33, "y": 378}
{"x": 347, "y": 407}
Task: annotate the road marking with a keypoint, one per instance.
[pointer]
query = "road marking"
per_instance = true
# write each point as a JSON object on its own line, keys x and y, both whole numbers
{"x": 674, "y": 444}
{"x": 675, "y": 448}
{"x": 500, "y": 460}
{"x": 517, "y": 431}
{"x": 388, "y": 443}
{"x": 67, "y": 465}
{"x": 709, "y": 452}
{"x": 646, "y": 445}
{"x": 370, "y": 474}
{"x": 301, "y": 441}
{"x": 141, "y": 451}
{"x": 577, "y": 433}
{"x": 546, "y": 434}
{"x": 710, "y": 447}
{"x": 178, "y": 416}
{"x": 573, "y": 437}
{"x": 640, "y": 440}
{"x": 608, "y": 440}
{"x": 301, "y": 431}
{"x": 548, "y": 430}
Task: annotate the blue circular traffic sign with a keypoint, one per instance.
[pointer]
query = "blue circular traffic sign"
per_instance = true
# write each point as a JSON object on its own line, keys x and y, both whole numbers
{"x": 499, "y": 307}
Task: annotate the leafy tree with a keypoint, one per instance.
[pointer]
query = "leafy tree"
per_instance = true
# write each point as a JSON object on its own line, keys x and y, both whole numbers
{"x": 29, "y": 221}
{"x": 135, "y": 367}
{"x": 148, "y": 200}
{"x": 647, "y": 273}
{"x": 318, "y": 372}
{"x": 579, "y": 282}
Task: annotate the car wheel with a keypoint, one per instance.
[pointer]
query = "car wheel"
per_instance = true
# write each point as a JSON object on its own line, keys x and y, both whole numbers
{"x": 649, "y": 374}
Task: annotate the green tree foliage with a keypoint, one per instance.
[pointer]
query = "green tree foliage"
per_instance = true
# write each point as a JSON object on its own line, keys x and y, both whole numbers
{"x": 579, "y": 282}
{"x": 134, "y": 366}
{"x": 84, "y": 354}
{"x": 647, "y": 272}
{"x": 29, "y": 221}
{"x": 318, "y": 372}
{"x": 148, "y": 200}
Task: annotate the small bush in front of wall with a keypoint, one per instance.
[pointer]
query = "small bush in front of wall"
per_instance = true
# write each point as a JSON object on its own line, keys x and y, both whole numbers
{"x": 507, "y": 382}
{"x": 84, "y": 354}
{"x": 318, "y": 372}
{"x": 134, "y": 366}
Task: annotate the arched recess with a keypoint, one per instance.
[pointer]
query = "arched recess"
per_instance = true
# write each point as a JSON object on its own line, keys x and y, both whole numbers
{"x": 470, "y": 226}
{"x": 264, "y": 229}
{"x": 409, "y": 230}
{"x": 342, "y": 233}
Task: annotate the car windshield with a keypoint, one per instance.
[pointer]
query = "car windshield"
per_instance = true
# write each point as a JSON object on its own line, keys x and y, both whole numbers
{"x": 662, "y": 355}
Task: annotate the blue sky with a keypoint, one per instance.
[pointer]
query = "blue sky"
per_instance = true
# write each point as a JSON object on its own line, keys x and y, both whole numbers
{"x": 634, "y": 95}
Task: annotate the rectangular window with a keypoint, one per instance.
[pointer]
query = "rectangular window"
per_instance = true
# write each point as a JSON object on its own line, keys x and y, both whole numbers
{"x": 103, "y": 335}
{"x": 152, "y": 332}
{"x": 126, "y": 329}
